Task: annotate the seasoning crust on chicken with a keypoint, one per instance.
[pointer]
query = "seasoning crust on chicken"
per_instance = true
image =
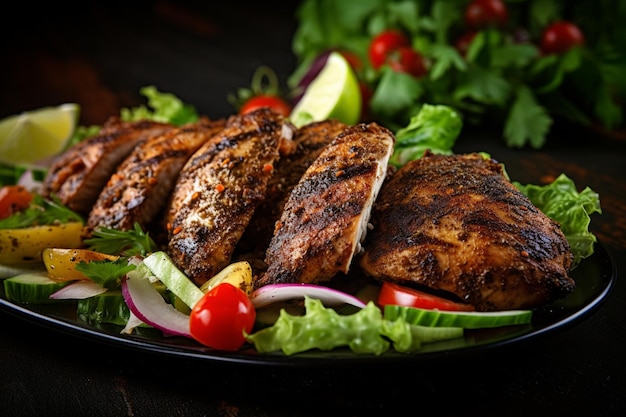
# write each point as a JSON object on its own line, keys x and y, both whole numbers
{"x": 141, "y": 185}
{"x": 219, "y": 189}
{"x": 457, "y": 224}
{"x": 309, "y": 141}
{"x": 77, "y": 176}
{"x": 325, "y": 217}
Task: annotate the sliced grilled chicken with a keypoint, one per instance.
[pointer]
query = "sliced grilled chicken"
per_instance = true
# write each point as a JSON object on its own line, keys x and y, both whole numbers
{"x": 218, "y": 190}
{"x": 140, "y": 187}
{"x": 325, "y": 218}
{"x": 457, "y": 224}
{"x": 309, "y": 142}
{"x": 77, "y": 176}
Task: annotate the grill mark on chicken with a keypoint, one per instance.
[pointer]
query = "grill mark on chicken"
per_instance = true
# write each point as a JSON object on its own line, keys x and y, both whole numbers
{"x": 77, "y": 176}
{"x": 456, "y": 224}
{"x": 219, "y": 189}
{"x": 324, "y": 220}
{"x": 309, "y": 141}
{"x": 139, "y": 189}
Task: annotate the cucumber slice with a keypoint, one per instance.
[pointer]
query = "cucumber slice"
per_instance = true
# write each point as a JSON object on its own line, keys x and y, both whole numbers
{"x": 108, "y": 307}
{"x": 465, "y": 319}
{"x": 161, "y": 265}
{"x": 32, "y": 288}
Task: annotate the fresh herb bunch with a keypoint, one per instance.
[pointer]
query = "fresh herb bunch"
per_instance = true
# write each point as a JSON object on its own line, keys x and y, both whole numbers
{"x": 492, "y": 63}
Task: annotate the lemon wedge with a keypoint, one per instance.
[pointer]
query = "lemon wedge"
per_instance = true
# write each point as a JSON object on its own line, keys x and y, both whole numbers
{"x": 333, "y": 94}
{"x": 32, "y": 136}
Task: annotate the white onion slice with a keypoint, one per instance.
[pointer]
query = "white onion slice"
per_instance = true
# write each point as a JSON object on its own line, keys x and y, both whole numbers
{"x": 145, "y": 302}
{"x": 133, "y": 321}
{"x": 78, "y": 290}
{"x": 274, "y": 293}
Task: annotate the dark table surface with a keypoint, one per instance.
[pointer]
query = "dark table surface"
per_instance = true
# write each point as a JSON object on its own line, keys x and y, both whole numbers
{"x": 100, "y": 56}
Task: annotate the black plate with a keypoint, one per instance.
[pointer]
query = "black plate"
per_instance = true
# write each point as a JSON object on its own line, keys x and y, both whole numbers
{"x": 595, "y": 277}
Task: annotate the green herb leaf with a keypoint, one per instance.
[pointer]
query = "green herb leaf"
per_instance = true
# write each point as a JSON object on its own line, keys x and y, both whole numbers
{"x": 527, "y": 122}
{"x": 40, "y": 212}
{"x": 106, "y": 273}
{"x": 124, "y": 242}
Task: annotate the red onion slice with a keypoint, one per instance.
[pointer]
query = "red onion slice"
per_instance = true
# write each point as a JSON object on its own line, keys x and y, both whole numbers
{"x": 148, "y": 305}
{"x": 78, "y": 290}
{"x": 274, "y": 293}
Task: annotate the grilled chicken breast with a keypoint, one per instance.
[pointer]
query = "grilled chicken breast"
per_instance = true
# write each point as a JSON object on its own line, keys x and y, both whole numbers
{"x": 139, "y": 189}
{"x": 456, "y": 224}
{"x": 309, "y": 141}
{"x": 325, "y": 217}
{"x": 77, "y": 176}
{"x": 219, "y": 189}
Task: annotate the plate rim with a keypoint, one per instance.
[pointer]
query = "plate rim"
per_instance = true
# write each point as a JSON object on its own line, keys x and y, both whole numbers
{"x": 319, "y": 358}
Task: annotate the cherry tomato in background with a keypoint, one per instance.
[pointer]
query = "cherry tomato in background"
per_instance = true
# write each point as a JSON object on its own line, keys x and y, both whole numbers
{"x": 383, "y": 44}
{"x": 408, "y": 60}
{"x": 395, "y": 294}
{"x": 561, "y": 36}
{"x": 273, "y": 102}
{"x": 13, "y": 198}
{"x": 219, "y": 318}
{"x": 480, "y": 14}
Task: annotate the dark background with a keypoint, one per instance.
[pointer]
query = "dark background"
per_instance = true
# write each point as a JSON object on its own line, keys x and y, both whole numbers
{"x": 99, "y": 54}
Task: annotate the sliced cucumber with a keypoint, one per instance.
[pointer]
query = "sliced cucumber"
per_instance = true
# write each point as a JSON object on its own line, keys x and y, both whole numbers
{"x": 108, "y": 307}
{"x": 174, "y": 279}
{"x": 32, "y": 288}
{"x": 465, "y": 319}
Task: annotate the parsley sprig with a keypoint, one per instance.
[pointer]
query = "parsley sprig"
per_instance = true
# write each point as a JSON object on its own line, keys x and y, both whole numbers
{"x": 41, "y": 212}
{"x": 503, "y": 78}
{"x": 121, "y": 242}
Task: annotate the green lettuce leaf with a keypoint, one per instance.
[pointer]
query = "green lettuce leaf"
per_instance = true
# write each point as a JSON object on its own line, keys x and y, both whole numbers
{"x": 561, "y": 201}
{"x": 434, "y": 127}
{"x": 162, "y": 107}
{"x": 365, "y": 331}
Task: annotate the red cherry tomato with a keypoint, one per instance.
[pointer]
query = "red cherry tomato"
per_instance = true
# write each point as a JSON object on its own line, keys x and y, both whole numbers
{"x": 394, "y": 294}
{"x": 366, "y": 98}
{"x": 408, "y": 60}
{"x": 13, "y": 198}
{"x": 273, "y": 102}
{"x": 480, "y": 14}
{"x": 383, "y": 44}
{"x": 560, "y": 36}
{"x": 219, "y": 318}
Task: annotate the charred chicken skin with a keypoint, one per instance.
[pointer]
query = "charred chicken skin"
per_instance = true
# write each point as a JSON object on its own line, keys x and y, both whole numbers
{"x": 309, "y": 141}
{"x": 219, "y": 189}
{"x": 77, "y": 176}
{"x": 457, "y": 224}
{"x": 141, "y": 185}
{"x": 325, "y": 218}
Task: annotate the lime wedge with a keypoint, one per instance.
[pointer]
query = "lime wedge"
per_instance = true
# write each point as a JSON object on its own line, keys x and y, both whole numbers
{"x": 333, "y": 94}
{"x": 31, "y": 136}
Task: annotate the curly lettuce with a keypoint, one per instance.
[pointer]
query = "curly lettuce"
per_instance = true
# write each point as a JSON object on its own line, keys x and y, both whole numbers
{"x": 365, "y": 331}
{"x": 561, "y": 201}
{"x": 434, "y": 127}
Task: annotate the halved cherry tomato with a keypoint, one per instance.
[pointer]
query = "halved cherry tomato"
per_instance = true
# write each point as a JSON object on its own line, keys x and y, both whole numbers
{"x": 383, "y": 44}
{"x": 266, "y": 100}
{"x": 220, "y": 317}
{"x": 480, "y": 14}
{"x": 561, "y": 36}
{"x": 13, "y": 198}
{"x": 394, "y": 294}
{"x": 408, "y": 60}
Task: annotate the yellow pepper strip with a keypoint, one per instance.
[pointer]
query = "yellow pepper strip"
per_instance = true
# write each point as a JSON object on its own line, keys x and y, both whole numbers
{"x": 27, "y": 244}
